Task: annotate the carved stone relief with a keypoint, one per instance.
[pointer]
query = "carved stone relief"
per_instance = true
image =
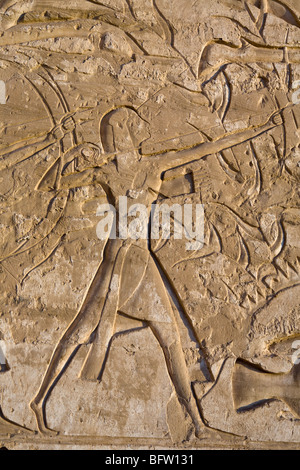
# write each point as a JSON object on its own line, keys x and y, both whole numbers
{"x": 119, "y": 325}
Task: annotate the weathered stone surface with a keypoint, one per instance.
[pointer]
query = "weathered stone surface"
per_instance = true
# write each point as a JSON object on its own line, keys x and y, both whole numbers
{"x": 113, "y": 334}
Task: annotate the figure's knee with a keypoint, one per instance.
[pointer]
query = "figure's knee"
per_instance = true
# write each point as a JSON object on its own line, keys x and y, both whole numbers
{"x": 76, "y": 338}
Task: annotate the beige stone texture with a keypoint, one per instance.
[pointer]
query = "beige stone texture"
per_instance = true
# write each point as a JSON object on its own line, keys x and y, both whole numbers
{"x": 114, "y": 336}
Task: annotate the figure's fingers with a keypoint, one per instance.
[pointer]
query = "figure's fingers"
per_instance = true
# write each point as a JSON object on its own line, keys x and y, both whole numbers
{"x": 277, "y": 118}
{"x": 68, "y": 124}
{"x": 57, "y": 133}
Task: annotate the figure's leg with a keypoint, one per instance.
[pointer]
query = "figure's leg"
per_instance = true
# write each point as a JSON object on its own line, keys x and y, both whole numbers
{"x": 169, "y": 339}
{"x": 79, "y": 332}
{"x": 62, "y": 354}
{"x": 95, "y": 361}
{"x": 156, "y": 310}
{"x": 128, "y": 273}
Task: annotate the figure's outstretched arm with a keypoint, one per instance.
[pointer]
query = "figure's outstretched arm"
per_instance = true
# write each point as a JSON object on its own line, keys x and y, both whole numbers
{"x": 82, "y": 178}
{"x": 182, "y": 157}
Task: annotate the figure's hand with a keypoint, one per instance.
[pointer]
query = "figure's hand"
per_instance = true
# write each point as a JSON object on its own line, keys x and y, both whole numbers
{"x": 56, "y": 133}
{"x": 66, "y": 126}
{"x": 276, "y": 119}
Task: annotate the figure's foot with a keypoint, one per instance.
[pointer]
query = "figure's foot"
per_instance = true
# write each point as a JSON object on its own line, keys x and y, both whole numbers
{"x": 37, "y": 409}
{"x": 199, "y": 431}
{"x": 8, "y": 426}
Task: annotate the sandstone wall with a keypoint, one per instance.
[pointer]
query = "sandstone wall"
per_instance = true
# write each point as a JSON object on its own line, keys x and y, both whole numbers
{"x": 149, "y": 341}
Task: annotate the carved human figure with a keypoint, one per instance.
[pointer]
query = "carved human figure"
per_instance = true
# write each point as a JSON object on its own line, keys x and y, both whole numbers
{"x": 123, "y": 170}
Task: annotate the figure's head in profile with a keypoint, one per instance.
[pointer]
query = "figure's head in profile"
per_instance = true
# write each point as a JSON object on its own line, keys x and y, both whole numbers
{"x": 123, "y": 130}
